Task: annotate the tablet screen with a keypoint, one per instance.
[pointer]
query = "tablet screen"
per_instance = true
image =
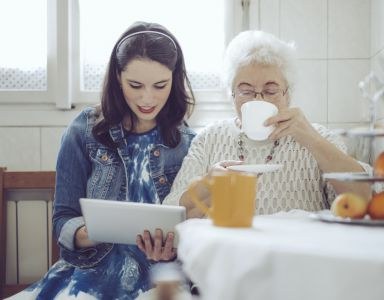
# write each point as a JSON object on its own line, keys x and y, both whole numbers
{"x": 120, "y": 222}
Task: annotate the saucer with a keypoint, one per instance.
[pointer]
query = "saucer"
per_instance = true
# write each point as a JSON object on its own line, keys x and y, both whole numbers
{"x": 260, "y": 168}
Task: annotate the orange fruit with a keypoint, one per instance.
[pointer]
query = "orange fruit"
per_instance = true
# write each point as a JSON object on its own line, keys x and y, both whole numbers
{"x": 378, "y": 167}
{"x": 376, "y": 206}
{"x": 349, "y": 205}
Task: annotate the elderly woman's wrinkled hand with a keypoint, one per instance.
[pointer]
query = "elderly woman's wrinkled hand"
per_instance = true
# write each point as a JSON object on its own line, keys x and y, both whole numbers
{"x": 224, "y": 164}
{"x": 197, "y": 189}
{"x": 292, "y": 121}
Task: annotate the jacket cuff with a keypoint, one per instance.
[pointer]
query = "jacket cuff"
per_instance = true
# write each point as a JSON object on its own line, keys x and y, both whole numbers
{"x": 67, "y": 234}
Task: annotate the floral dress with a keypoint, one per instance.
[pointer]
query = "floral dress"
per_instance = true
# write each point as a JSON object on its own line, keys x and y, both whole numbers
{"x": 124, "y": 272}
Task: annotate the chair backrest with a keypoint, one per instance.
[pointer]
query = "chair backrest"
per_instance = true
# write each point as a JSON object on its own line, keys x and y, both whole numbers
{"x": 27, "y": 183}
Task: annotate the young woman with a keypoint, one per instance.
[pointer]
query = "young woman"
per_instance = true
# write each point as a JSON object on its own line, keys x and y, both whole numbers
{"x": 129, "y": 149}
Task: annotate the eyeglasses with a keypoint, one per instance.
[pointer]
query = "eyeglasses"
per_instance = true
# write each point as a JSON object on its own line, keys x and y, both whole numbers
{"x": 271, "y": 94}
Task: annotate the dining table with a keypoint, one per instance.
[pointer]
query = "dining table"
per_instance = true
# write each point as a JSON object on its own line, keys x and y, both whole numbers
{"x": 288, "y": 255}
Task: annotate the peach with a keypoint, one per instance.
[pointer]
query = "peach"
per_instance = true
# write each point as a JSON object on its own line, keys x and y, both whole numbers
{"x": 376, "y": 206}
{"x": 349, "y": 205}
{"x": 378, "y": 166}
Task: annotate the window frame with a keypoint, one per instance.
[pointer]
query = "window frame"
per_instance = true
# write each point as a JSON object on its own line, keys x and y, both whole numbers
{"x": 63, "y": 59}
{"x": 56, "y": 63}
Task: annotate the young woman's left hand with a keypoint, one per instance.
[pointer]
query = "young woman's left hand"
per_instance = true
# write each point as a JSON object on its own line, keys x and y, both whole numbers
{"x": 154, "y": 248}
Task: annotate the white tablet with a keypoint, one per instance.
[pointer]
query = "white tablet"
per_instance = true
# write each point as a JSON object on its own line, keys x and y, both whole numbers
{"x": 120, "y": 222}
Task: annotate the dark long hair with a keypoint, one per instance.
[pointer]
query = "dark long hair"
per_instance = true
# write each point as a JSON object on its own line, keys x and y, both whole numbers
{"x": 161, "y": 49}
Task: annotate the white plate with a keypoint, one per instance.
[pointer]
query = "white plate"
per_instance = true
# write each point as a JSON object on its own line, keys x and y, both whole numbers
{"x": 256, "y": 168}
{"x": 327, "y": 216}
{"x": 352, "y": 176}
{"x": 360, "y": 132}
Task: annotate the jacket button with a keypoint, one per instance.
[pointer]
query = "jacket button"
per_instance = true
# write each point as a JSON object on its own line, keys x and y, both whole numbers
{"x": 162, "y": 180}
{"x": 104, "y": 157}
{"x": 156, "y": 152}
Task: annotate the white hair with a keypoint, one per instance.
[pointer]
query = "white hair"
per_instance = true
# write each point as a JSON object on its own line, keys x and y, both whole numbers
{"x": 259, "y": 47}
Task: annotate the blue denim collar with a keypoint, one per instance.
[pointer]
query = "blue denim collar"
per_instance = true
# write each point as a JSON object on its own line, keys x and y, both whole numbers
{"x": 117, "y": 134}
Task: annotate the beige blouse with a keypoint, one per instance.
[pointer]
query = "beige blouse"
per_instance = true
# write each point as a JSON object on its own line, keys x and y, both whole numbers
{"x": 297, "y": 185}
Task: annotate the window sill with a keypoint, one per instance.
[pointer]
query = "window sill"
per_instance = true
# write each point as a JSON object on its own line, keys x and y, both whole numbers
{"x": 210, "y": 105}
{"x": 39, "y": 115}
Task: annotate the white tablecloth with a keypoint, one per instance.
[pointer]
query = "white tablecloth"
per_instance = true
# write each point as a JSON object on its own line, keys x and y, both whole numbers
{"x": 284, "y": 256}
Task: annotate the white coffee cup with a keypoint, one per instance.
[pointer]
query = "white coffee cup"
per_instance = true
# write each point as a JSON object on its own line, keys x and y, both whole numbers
{"x": 253, "y": 116}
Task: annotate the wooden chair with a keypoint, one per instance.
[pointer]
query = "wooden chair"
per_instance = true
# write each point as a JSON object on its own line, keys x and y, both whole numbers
{"x": 28, "y": 181}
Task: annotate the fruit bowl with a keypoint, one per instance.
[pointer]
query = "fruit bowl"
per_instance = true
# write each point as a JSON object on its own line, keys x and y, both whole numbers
{"x": 327, "y": 216}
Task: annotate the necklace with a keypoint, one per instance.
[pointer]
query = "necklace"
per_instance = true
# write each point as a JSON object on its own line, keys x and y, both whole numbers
{"x": 240, "y": 148}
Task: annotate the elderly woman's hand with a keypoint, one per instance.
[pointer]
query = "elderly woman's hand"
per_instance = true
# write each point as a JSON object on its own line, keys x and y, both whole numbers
{"x": 223, "y": 165}
{"x": 199, "y": 188}
{"x": 292, "y": 121}
{"x": 154, "y": 248}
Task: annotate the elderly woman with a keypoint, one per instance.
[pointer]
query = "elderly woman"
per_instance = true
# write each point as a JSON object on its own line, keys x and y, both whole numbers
{"x": 260, "y": 66}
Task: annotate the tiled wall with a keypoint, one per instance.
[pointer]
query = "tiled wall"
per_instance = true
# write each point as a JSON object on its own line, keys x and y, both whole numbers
{"x": 377, "y": 61}
{"x": 377, "y": 42}
{"x": 333, "y": 42}
{"x": 29, "y": 148}
{"x": 338, "y": 42}
{"x": 30, "y": 137}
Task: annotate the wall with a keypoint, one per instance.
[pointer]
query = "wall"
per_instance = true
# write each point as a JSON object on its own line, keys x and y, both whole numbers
{"x": 336, "y": 47}
{"x": 377, "y": 61}
{"x": 333, "y": 42}
{"x": 30, "y": 136}
{"x": 377, "y": 48}
{"x": 333, "y": 39}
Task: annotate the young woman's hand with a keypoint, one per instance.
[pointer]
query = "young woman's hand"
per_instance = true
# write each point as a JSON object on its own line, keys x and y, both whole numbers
{"x": 81, "y": 238}
{"x": 154, "y": 248}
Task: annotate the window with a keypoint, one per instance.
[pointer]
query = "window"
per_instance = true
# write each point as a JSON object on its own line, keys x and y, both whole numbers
{"x": 64, "y": 63}
{"x": 23, "y": 51}
{"x": 198, "y": 25}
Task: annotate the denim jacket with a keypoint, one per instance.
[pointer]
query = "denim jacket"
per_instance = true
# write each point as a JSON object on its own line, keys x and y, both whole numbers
{"x": 88, "y": 169}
